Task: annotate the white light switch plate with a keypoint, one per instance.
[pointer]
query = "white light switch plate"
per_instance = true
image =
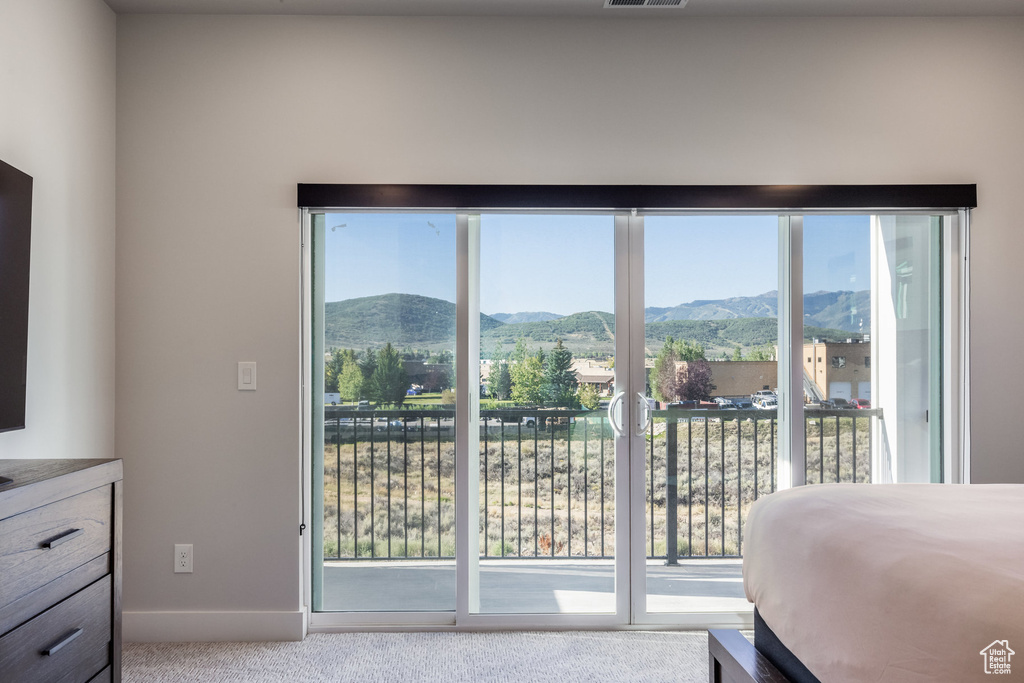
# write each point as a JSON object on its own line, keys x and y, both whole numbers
{"x": 246, "y": 376}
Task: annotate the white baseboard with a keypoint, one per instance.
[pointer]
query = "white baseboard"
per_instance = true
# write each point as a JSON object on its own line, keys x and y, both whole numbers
{"x": 184, "y": 627}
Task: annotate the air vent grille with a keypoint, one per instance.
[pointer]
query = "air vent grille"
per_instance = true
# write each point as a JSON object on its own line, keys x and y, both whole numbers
{"x": 644, "y": 3}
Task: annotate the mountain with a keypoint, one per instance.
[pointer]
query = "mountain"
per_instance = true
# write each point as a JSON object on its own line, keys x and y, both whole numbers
{"x": 850, "y": 311}
{"x": 594, "y": 331}
{"x": 590, "y": 329}
{"x": 525, "y": 317}
{"x": 419, "y": 322}
{"x": 405, "y": 320}
{"x": 837, "y": 310}
{"x": 762, "y": 306}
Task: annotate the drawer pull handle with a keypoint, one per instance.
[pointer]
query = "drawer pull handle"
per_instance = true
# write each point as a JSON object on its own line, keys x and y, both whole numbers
{"x": 63, "y": 538}
{"x": 68, "y": 637}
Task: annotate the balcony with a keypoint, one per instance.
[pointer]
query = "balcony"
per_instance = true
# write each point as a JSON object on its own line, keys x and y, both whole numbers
{"x": 547, "y": 503}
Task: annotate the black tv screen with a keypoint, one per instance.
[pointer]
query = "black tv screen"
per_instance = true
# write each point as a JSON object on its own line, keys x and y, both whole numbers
{"x": 15, "y": 246}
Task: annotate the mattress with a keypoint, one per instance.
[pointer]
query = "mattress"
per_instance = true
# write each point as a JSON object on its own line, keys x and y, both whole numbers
{"x": 894, "y": 582}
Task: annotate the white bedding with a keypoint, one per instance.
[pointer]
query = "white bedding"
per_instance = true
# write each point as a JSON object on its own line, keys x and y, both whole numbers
{"x": 894, "y": 582}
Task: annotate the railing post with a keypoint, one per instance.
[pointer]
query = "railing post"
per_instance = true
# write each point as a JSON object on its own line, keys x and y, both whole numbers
{"x": 671, "y": 491}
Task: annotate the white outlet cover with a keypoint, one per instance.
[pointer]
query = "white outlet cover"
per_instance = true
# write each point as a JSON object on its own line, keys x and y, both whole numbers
{"x": 182, "y": 558}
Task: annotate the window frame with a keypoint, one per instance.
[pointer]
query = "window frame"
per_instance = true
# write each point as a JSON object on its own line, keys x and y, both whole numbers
{"x": 789, "y": 203}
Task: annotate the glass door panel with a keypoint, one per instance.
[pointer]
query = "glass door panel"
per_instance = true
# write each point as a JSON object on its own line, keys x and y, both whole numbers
{"x": 710, "y": 358}
{"x": 872, "y": 356}
{"x": 547, "y": 452}
{"x": 384, "y": 427}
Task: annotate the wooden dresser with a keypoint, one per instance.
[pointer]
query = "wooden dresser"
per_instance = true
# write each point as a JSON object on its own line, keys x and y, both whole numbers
{"x": 60, "y": 571}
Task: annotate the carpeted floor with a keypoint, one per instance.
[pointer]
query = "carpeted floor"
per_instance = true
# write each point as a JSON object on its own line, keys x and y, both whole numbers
{"x": 516, "y": 657}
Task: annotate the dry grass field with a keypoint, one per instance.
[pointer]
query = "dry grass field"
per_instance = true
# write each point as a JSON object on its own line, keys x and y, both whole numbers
{"x": 550, "y": 492}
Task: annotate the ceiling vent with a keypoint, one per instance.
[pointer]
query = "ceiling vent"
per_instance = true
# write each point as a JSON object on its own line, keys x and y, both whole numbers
{"x": 644, "y": 3}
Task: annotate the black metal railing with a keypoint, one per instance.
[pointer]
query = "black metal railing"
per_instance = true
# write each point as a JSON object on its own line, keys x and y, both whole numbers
{"x": 546, "y": 479}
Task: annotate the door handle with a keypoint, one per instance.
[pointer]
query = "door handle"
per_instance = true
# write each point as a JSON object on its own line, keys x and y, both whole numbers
{"x": 644, "y": 409}
{"x": 615, "y": 403}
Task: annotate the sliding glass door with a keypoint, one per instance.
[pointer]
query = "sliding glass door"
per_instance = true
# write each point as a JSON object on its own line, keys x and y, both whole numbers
{"x": 710, "y": 365}
{"x": 383, "y": 312}
{"x": 546, "y": 459}
{"x": 529, "y": 419}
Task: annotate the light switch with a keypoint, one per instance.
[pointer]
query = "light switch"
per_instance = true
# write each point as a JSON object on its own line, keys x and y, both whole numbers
{"x": 246, "y": 376}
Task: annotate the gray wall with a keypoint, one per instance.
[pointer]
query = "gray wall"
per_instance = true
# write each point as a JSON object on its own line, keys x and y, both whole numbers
{"x": 219, "y": 117}
{"x": 57, "y": 79}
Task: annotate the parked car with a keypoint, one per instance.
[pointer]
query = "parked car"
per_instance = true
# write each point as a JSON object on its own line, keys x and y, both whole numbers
{"x": 762, "y": 394}
{"x": 836, "y": 404}
{"x": 861, "y": 403}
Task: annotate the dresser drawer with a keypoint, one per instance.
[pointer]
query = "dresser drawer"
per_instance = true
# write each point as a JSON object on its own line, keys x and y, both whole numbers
{"x": 42, "y": 544}
{"x": 105, "y": 676}
{"x": 68, "y": 643}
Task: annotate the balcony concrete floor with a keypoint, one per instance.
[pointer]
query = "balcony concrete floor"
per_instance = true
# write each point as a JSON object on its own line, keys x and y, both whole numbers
{"x": 530, "y": 586}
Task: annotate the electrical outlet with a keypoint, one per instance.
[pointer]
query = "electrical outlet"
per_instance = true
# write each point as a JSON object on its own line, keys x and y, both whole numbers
{"x": 182, "y": 558}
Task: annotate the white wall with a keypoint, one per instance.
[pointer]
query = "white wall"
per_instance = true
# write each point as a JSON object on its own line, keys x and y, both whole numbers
{"x": 57, "y": 79}
{"x": 220, "y": 117}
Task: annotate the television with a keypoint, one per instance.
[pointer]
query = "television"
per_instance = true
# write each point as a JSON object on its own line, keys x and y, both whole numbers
{"x": 15, "y": 247}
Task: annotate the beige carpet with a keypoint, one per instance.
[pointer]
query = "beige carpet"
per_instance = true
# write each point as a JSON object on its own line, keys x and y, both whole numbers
{"x": 515, "y": 657}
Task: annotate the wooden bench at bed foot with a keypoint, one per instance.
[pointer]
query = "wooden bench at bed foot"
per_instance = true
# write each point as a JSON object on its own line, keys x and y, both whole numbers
{"x": 733, "y": 659}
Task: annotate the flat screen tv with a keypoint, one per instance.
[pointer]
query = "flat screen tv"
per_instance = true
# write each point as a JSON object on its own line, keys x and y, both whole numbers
{"x": 15, "y": 246}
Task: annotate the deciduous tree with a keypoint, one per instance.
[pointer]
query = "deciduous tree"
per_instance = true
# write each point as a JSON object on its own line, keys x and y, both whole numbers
{"x": 588, "y": 397}
{"x": 335, "y": 367}
{"x": 765, "y": 352}
{"x": 689, "y": 350}
{"x": 527, "y": 381}
{"x": 693, "y": 381}
{"x": 350, "y": 383}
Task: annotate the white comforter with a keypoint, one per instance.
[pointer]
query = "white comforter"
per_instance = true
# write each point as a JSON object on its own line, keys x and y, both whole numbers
{"x": 897, "y": 582}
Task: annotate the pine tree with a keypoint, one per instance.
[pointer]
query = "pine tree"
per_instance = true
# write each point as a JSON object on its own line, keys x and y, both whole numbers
{"x": 368, "y": 364}
{"x": 559, "y": 379}
{"x": 332, "y": 371}
{"x": 502, "y": 387}
{"x": 389, "y": 381}
{"x": 663, "y": 376}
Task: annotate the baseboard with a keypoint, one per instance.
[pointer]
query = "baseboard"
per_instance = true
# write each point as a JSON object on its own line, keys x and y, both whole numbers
{"x": 184, "y": 627}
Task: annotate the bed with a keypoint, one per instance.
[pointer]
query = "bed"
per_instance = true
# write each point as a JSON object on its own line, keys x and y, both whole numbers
{"x": 896, "y": 582}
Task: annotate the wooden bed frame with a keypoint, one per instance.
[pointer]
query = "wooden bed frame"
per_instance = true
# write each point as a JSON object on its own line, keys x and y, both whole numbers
{"x": 734, "y": 659}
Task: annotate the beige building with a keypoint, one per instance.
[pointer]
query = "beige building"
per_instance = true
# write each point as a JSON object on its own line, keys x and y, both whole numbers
{"x": 595, "y": 374}
{"x": 839, "y": 369}
{"x": 742, "y": 377}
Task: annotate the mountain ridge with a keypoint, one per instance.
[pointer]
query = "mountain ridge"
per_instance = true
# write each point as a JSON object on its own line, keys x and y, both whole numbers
{"x": 414, "y": 321}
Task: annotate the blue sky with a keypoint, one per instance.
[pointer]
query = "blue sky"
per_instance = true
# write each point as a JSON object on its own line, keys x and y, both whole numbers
{"x": 564, "y": 264}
